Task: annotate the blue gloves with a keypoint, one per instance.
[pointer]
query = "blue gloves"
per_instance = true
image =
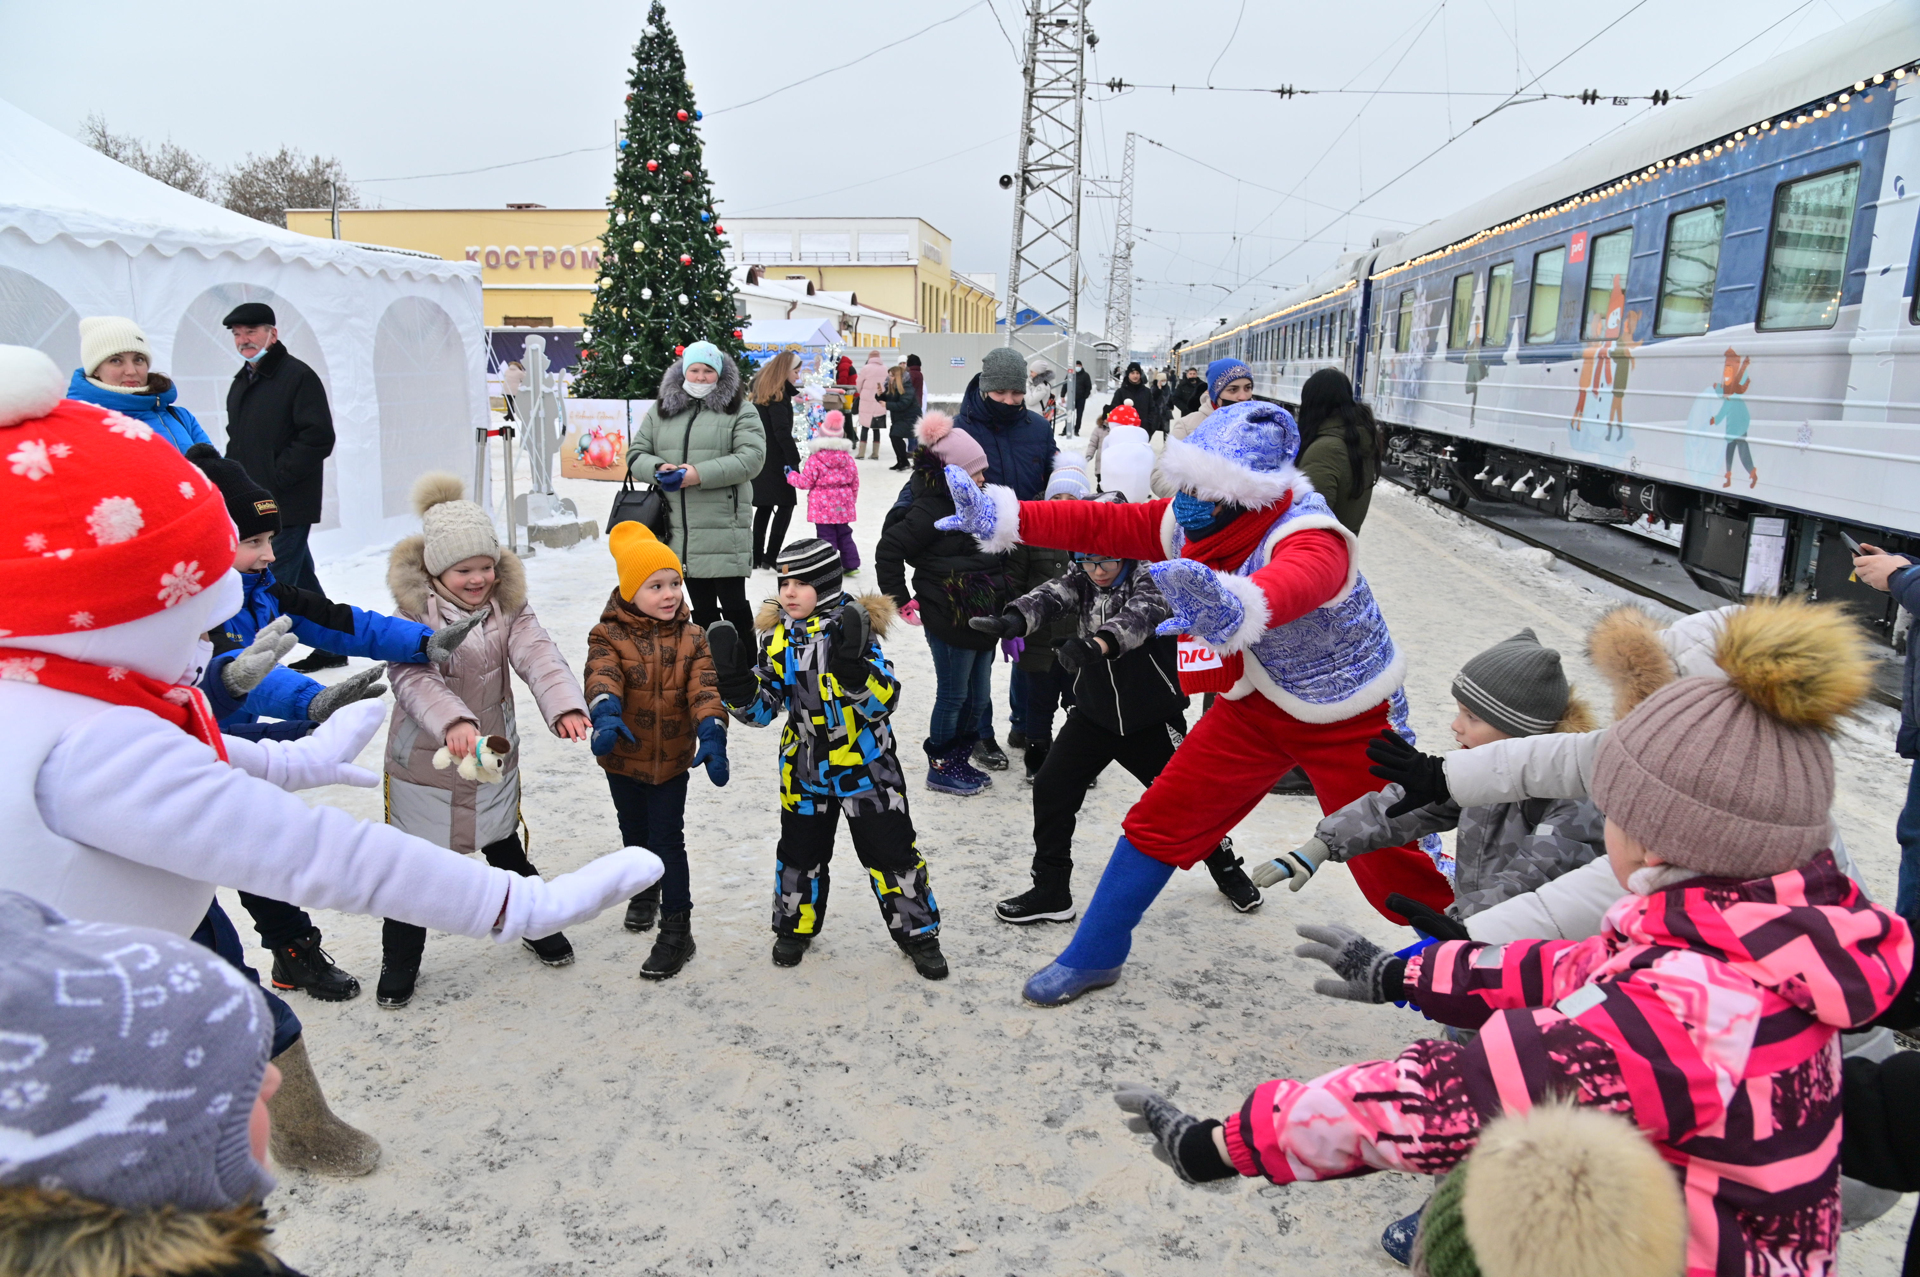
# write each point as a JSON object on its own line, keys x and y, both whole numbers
{"x": 669, "y": 480}
{"x": 1202, "y": 606}
{"x": 712, "y": 751}
{"x": 607, "y": 726}
{"x": 973, "y": 509}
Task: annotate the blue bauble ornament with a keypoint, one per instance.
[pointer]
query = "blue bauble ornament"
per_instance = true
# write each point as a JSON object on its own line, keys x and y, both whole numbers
{"x": 623, "y": 144}
{"x": 703, "y": 217}
{"x": 696, "y": 115}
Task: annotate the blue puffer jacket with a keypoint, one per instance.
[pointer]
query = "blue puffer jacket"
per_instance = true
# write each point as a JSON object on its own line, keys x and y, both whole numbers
{"x": 1018, "y": 442}
{"x": 1904, "y": 585}
{"x": 318, "y": 622}
{"x": 154, "y": 406}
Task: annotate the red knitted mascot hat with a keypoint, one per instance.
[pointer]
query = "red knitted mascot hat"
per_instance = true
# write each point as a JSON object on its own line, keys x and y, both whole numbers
{"x": 1123, "y": 415}
{"x": 101, "y": 521}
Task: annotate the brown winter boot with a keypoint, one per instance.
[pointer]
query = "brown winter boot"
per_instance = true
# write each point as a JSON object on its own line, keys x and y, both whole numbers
{"x": 306, "y": 1134}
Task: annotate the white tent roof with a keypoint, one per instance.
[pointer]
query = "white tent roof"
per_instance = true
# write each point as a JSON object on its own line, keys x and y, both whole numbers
{"x": 52, "y": 186}
{"x": 791, "y": 332}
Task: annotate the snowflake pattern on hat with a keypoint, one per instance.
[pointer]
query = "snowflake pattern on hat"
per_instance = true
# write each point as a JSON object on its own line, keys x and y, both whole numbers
{"x": 22, "y": 669}
{"x": 114, "y": 520}
{"x": 179, "y": 585}
{"x": 30, "y": 459}
{"x": 131, "y": 427}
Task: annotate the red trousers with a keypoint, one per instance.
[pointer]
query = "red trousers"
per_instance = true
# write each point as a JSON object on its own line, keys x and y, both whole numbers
{"x": 1232, "y": 758}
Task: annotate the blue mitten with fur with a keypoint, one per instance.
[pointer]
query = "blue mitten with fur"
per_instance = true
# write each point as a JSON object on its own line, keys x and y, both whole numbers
{"x": 973, "y": 509}
{"x": 1202, "y": 604}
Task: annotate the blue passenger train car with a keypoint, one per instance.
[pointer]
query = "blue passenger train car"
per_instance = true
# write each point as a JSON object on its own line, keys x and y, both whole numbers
{"x": 1706, "y": 325}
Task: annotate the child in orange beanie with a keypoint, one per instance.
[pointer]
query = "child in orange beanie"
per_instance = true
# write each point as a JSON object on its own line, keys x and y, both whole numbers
{"x": 652, "y": 693}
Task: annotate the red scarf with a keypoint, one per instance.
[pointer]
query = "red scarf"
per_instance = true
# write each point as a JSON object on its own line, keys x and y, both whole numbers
{"x": 184, "y": 707}
{"x": 1202, "y": 669}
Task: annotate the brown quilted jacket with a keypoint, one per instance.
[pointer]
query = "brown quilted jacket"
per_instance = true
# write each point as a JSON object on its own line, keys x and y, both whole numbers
{"x": 662, "y": 674}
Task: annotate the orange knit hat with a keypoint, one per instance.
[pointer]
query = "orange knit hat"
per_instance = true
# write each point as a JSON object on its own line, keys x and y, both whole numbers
{"x": 639, "y": 554}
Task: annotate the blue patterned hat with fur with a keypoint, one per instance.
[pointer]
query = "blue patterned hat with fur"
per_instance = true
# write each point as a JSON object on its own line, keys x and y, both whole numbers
{"x": 1242, "y": 454}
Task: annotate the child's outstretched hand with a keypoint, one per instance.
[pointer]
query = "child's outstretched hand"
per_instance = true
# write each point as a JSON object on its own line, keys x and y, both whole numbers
{"x": 608, "y": 727}
{"x": 712, "y": 751}
{"x": 573, "y": 725}
{"x": 851, "y": 632}
{"x": 1422, "y": 777}
{"x": 732, "y": 667}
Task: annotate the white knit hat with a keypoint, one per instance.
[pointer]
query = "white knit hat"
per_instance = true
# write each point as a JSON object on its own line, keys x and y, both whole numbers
{"x": 104, "y": 336}
{"x": 455, "y": 528}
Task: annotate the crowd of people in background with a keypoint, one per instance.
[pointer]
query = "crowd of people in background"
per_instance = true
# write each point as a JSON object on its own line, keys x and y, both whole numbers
{"x": 1646, "y": 945}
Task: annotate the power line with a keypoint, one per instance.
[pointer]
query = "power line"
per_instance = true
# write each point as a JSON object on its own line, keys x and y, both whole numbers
{"x": 362, "y": 181}
{"x": 1273, "y": 190}
{"x": 992, "y": 141}
{"x": 1230, "y": 38}
{"x": 814, "y": 76}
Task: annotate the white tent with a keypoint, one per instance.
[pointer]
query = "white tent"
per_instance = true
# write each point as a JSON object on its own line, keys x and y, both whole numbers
{"x": 395, "y": 336}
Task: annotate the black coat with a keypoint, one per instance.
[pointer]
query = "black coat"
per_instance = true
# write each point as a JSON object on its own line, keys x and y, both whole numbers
{"x": 280, "y": 430}
{"x": 770, "y": 486}
{"x": 1145, "y": 402}
{"x": 903, "y": 411}
{"x": 952, "y": 577}
{"x": 1187, "y": 394}
{"x": 1082, "y": 387}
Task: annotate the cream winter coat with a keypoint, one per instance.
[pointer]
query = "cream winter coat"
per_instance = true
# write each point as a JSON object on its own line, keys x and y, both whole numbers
{"x": 476, "y": 687}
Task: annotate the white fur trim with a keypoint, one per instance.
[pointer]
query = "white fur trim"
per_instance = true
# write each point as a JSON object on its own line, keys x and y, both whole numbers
{"x": 1258, "y": 615}
{"x": 30, "y": 385}
{"x": 1167, "y": 525}
{"x": 1212, "y": 477}
{"x": 1006, "y": 522}
{"x": 1329, "y": 524}
{"x": 833, "y": 443}
{"x": 1376, "y": 690}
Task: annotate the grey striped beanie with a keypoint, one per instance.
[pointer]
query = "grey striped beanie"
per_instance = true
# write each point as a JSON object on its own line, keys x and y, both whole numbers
{"x": 813, "y": 561}
{"x": 1516, "y": 685}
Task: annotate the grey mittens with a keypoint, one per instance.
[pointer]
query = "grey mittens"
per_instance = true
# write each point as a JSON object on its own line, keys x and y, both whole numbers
{"x": 1295, "y": 866}
{"x": 363, "y": 686}
{"x": 439, "y": 646}
{"x": 246, "y": 671}
{"x": 1180, "y": 1139}
{"x": 1367, "y": 972}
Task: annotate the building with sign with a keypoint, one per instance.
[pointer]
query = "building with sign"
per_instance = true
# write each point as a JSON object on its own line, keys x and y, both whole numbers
{"x": 890, "y": 275}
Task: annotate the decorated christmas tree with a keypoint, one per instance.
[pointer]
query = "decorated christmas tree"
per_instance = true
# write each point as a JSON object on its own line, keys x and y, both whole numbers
{"x": 663, "y": 273}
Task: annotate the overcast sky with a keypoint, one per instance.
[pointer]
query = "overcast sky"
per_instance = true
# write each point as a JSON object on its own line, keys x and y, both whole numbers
{"x": 924, "y": 129}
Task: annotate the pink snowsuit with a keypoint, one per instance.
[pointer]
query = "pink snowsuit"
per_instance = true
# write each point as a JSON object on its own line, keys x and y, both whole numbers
{"x": 832, "y": 479}
{"x": 1707, "y": 1013}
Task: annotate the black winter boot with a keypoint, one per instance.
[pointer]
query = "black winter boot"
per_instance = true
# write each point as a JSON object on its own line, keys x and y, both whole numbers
{"x": 555, "y": 950}
{"x": 396, "y": 983}
{"x": 788, "y": 950}
{"x": 1048, "y": 900}
{"x": 643, "y": 909}
{"x": 672, "y": 949}
{"x": 988, "y": 756}
{"x": 927, "y": 958}
{"x": 1231, "y": 878}
{"x": 303, "y": 964}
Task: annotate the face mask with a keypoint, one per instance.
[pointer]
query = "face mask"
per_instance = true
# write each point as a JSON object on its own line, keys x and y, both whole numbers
{"x": 1190, "y": 512}
{"x": 701, "y": 389}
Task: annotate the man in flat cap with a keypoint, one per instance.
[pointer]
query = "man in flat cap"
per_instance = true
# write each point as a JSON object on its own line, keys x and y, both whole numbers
{"x": 280, "y": 430}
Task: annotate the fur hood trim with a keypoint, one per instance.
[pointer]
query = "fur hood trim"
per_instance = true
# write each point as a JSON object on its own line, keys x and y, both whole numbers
{"x": 1578, "y": 717}
{"x": 55, "y": 1234}
{"x": 1212, "y": 477}
{"x": 881, "y": 609}
{"x": 726, "y": 395}
{"x": 833, "y": 443}
{"x": 410, "y": 583}
{"x": 1625, "y": 646}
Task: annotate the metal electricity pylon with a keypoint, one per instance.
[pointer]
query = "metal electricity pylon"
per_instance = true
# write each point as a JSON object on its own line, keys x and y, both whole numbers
{"x": 1043, "y": 275}
{"x": 1120, "y": 275}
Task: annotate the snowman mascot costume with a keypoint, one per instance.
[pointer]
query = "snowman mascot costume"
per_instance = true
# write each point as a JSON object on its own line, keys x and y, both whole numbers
{"x": 120, "y": 800}
{"x": 1261, "y": 576}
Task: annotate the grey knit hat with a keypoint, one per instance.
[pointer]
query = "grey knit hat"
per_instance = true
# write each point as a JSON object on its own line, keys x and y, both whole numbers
{"x": 1004, "y": 368}
{"x": 129, "y": 1063}
{"x": 455, "y": 528}
{"x": 813, "y": 561}
{"x": 1516, "y": 685}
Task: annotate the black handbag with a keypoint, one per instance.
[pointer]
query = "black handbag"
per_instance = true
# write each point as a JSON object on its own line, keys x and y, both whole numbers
{"x": 642, "y": 505}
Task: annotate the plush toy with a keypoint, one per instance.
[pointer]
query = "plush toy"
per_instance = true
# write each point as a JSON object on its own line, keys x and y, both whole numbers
{"x": 485, "y": 765}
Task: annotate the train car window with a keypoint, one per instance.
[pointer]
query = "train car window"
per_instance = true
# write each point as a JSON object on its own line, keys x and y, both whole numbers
{"x": 1460, "y": 319}
{"x": 1807, "y": 258}
{"x": 1499, "y": 305}
{"x": 1543, "y": 299}
{"x": 1403, "y": 335}
{"x": 1687, "y": 273}
{"x": 1606, "y": 284}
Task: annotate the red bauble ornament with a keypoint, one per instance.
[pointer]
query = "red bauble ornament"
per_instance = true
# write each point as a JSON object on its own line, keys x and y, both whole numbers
{"x": 680, "y": 116}
{"x": 685, "y": 260}
{"x": 653, "y": 166}
{"x": 679, "y": 350}
{"x": 718, "y": 229}
{"x": 739, "y": 332}
{"x": 686, "y": 175}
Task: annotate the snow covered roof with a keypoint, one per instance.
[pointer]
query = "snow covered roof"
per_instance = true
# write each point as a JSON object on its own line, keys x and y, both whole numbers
{"x": 1879, "y": 41}
{"x": 791, "y": 332}
{"x": 52, "y": 185}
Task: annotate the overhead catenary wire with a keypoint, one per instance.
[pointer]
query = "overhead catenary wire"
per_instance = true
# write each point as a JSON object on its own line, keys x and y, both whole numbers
{"x": 813, "y": 77}
{"x": 940, "y": 159}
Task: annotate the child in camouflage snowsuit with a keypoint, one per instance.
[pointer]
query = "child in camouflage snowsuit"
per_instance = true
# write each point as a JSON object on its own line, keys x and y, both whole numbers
{"x": 1514, "y": 688}
{"x": 820, "y": 661}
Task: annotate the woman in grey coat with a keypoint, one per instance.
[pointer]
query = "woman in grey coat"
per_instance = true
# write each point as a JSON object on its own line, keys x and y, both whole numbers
{"x": 701, "y": 443}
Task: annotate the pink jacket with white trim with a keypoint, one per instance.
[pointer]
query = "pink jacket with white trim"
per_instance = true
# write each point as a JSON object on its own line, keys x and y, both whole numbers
{"x": 1706, "y": 1012}
{"x": 832, "y": 479}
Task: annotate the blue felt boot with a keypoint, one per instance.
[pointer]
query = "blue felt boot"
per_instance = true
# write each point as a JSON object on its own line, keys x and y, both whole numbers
{"x": 1105, "y": 936}
{"x": 1397, "y": 1241}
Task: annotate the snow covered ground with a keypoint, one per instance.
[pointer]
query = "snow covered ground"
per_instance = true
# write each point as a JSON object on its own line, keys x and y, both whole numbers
{"x": 847, "y": 1115}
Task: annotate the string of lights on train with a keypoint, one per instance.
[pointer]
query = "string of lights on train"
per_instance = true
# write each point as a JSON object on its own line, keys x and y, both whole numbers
{"x": 1805, "y": 114}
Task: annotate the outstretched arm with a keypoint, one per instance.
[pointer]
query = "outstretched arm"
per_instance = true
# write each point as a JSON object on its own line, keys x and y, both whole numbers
{"x": 999, "y": 521}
